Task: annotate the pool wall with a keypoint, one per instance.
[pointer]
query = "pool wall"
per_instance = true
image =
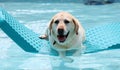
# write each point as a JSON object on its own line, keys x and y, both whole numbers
{"x": 52, "y": 1}
{"x": 46, "y": 1}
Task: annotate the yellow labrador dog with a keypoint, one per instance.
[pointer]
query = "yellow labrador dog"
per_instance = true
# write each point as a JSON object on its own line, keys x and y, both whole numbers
{"x": 65, "y": 33}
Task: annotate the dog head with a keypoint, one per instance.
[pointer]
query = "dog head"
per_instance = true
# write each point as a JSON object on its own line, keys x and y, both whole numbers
{"x": 63, "y": 26}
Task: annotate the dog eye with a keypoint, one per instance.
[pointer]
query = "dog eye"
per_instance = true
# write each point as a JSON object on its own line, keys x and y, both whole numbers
{"x": 66, "y": 21}
{"x": 57, "y": 21}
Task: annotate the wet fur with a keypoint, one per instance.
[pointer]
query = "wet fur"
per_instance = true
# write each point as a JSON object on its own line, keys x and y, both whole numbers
{"x": 74, "y": 40}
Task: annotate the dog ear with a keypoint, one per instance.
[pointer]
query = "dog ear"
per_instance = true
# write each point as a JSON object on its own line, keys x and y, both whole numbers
{"x": 76, "y": 23}
{"x": 50, "y": 25}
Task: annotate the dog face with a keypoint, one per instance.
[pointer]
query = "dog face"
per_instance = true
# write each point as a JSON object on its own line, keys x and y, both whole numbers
{"x": 63, "y": 26}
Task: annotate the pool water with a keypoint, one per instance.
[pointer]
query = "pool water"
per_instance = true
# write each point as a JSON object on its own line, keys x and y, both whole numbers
{"x": 36, "y": 17}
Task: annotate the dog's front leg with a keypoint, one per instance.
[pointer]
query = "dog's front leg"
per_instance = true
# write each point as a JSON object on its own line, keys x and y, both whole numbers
{"x": 79, "y": 51}
{"x": 62, "y": 54}
{"x": 45, "y": 36}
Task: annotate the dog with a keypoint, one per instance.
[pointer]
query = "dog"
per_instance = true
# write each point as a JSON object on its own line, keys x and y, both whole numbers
{"x": 65, "y": 33}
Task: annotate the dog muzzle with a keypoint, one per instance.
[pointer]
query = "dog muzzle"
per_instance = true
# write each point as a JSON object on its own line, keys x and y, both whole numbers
{"x": 62, "y": 38}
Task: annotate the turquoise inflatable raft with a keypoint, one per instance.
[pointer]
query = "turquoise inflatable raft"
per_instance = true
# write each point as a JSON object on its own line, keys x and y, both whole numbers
{"x": 99, "y": 38}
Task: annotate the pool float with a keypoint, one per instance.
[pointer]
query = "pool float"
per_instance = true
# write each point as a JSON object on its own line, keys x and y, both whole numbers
{"x": 99, "y": 38}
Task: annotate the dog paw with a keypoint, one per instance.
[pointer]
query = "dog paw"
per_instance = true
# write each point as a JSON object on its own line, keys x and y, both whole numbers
{"x": 77, "y": 55}
{"x": 70, "y": 60}
{"x": 43, "y": 37}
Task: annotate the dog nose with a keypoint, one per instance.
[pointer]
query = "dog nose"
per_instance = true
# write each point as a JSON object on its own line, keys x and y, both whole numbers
{"x": 60, "y": 31}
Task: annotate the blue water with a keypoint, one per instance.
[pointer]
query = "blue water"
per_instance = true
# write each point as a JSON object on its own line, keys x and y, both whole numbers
{"x": 36, "y": 16}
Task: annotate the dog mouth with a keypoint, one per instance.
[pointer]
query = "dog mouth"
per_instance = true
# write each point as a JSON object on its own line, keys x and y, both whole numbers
{"x": 62, "y": 38}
